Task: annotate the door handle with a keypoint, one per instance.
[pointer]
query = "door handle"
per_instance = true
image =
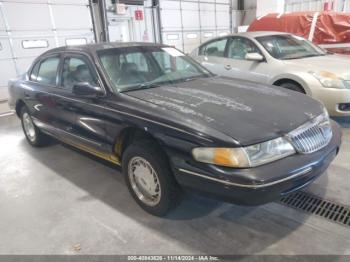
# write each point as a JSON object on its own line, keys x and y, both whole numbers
{"x": 227, "y": 67}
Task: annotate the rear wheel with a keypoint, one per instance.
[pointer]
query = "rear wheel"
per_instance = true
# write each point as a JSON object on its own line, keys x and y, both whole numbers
{"x": 34, "y": 136}
{"x": 149, "y": 178}
{"x": 293, "y": 86}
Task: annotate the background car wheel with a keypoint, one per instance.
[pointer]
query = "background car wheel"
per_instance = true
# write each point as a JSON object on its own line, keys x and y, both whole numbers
{"x": 34, "y": 136}
{"x": 293, "y": 86}
{"x": 149, "y": 179}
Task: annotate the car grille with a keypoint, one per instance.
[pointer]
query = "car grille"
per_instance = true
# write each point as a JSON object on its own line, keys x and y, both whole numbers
{"x": 313, "y": 135}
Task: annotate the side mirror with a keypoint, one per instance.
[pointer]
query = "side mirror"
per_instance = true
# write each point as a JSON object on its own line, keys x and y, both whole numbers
{"x": 254, "y": 57}
{"x": 86, "y": 89}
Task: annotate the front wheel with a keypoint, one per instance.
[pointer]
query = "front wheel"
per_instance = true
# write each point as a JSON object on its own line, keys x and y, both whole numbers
{"x": 34, "y": 136}
{"x": 149, "y": 178}
{"x": 293, "y": 86}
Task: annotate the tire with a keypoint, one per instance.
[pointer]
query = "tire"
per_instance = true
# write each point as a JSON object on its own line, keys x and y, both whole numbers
{"x": 33, "y": 134}
{"x": 293, "y": 87}
{"x": 143, "y": 163}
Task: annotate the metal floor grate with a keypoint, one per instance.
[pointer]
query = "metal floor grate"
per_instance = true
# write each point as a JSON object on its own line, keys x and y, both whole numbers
{"x": 309, "y": 203}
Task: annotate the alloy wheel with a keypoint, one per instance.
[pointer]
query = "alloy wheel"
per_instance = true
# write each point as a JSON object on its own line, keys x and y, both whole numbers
{"x": 29, "y": 127}
{"x": 144, "y": 181}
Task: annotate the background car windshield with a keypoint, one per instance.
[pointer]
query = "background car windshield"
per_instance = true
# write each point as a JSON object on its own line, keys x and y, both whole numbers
{"x": 289, "y": 47}
{"x": 140, "y": 67}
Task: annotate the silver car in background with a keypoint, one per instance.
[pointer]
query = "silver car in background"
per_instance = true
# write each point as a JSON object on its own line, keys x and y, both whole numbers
{"x": 281, "y": 59}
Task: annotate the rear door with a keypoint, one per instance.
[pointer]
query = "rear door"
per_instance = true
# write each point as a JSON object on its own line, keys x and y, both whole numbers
{"x": 39, "y": 93}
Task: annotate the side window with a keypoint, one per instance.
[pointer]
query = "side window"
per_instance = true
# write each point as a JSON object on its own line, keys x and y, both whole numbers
{"x": 239, "y": 47}
{"x": 216, "y": 48}
{"x": 34, "y": 72}
{"x": 76, "y": 70}
{"x": 47, "y": 71}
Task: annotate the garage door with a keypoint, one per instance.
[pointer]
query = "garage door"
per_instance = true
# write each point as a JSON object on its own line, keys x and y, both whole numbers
{"x": 186, "y": 24}
{"x": 30, "y": 27}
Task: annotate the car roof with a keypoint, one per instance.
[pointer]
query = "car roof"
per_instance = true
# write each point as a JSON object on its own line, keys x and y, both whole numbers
{"x": 250, "y": 34}
{"x": 261, "y": 33}
{"x": 92, "y": 48}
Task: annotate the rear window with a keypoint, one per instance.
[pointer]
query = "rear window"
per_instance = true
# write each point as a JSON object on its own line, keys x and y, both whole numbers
{"x": 47, "y": 71}
{"x": 215, "y": 48}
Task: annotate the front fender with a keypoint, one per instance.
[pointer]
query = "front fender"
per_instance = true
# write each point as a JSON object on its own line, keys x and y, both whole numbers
{"x": 301, "y": 78}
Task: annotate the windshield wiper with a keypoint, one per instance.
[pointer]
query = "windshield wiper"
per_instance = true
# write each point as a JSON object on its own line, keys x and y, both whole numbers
{"x": 141, "y": 86}
{"x": 191, "y": 78}
{"x": 313, "y": 55}
{"x": 300, "y": 57}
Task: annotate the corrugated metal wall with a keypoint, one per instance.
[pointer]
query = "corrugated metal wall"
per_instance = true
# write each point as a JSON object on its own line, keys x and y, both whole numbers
{"x": 30, "y": 27}
{"x": 316, "y": 5}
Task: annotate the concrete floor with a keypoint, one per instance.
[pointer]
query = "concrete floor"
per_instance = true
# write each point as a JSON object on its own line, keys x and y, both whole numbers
{"x": 55, "y": 200}
{"x": 4, "y": 108}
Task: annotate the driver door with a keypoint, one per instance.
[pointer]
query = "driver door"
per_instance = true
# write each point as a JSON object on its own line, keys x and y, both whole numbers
{"x": 86, "y": 127}
{"x": 212, "y": 56}
{"x": 237, "y": 66}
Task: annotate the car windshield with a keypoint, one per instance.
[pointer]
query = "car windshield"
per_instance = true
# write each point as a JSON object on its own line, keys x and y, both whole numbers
{"x": 133, "y": 68}
{"x": 289, "y": 47}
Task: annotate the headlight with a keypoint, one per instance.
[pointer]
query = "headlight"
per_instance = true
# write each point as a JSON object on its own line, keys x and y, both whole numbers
{"x": 330, "y": 80}
{"x": 244, "y": 157}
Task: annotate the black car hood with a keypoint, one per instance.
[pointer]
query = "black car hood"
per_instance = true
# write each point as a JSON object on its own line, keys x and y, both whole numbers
{"x": 245, "y": 111}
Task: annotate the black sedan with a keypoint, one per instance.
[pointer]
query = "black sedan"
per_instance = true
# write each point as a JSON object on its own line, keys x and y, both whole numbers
{"x": 171, "y": 124}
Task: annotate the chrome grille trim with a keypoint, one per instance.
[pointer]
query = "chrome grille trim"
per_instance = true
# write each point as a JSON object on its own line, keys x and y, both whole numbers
{"x": 312, "y": 136}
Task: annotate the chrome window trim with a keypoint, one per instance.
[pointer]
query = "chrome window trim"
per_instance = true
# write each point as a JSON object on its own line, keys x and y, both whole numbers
{"x": 300, "y": 173}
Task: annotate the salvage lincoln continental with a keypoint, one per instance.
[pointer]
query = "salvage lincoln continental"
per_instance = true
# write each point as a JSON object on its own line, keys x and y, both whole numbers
{"x": 171, "y": 124}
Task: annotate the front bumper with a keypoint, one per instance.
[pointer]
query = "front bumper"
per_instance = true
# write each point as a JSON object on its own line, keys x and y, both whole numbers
{"x": 331, "y": 98}
{"x": 257, "y": 185}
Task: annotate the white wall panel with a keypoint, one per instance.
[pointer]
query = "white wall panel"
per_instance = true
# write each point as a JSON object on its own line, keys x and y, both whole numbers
{"x": 347, "y": 6}
{"x": 207, "y": 16}
{"x": 191, "y": 40}
{"x": 171, "y": 19}
{"x": 2, "y": 23}
{"x": 190, "y": 16}
{"x": 7, "y": 71}
{"x": 203, "y": 19}
{"x": 68, "y": 17}
{"x": 51, "y": 21}
{"x": 25, "y": 16}
{"x": 170, "y": 15}
{"x": 78, "y": 34}
{"x": 206, "y": 35}
{"x": 190, "y": 19}
{"x": 5, "y": 48}
{"x": 32, "y": 52}
{"x": 264, "y": 7}
{"x": 23, "y": 63}
{"x": 223, "y": 16}
{"x": 173, "y": 39}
